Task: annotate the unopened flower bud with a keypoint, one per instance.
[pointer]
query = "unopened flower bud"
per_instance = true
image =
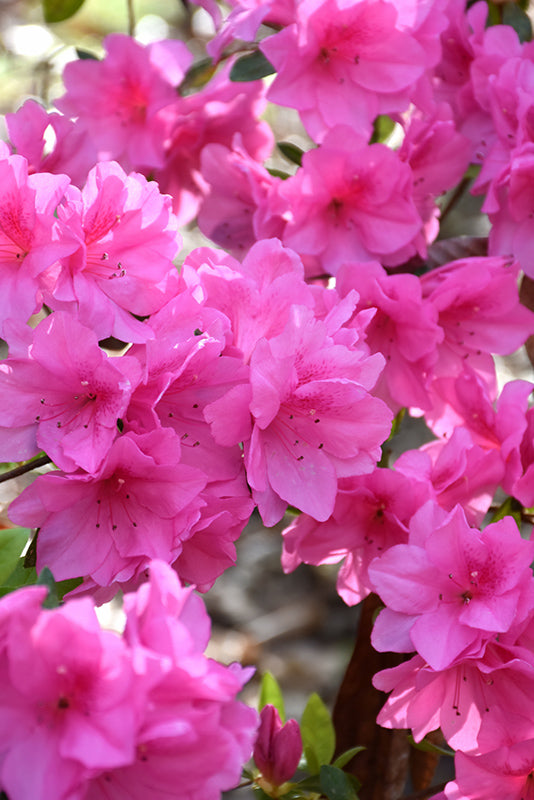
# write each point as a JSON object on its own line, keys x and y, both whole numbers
{"x": 278, "y": 747}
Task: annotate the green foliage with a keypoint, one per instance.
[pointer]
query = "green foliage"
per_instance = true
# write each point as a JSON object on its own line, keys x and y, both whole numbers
{"x": 12, "y": 543}
{"x": 338, "y": 785}
{"x": 510, "y": 508}
{"x": 251, "y": 67}
{"x": 291, "y": 152}
{"x": 271, "y": 694}
{"x": 21, "y": 576}
{"x": 318, "y": 735}
{"x": 85, "y": 55}
{"x": 198, "y": 76}
{"x": 383, "y": 127}
{"x": 60, "y": 10}
{"x": 514, "y": 16}
{"x": 345, "y": 757}
{"x": 428, "y": 747}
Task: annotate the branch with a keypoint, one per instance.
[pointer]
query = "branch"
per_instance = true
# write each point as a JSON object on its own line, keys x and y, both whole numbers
{"x": 16, "y": 471}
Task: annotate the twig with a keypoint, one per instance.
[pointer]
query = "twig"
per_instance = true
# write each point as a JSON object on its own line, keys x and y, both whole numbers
{"x": 131, "y": 18}
{"x": 458, "y": 192}
{"x": 16, "y": 471}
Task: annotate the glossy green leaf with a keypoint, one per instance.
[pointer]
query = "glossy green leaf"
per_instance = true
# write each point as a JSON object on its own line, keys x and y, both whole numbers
{"x": 291, "y": 152}
{"x": 516, "y": 17}
{"x": 21, "y": 576}
{"x": 198, "y": 76}
{"x": 318, "y": 735}
{"x": 345, "y": 757}
{"x": 336, "y": 784}
{"x": 12, "y": 543}
{"x": 278, "y": 173}
{"x": 271, "y": 694}
{"x": 46, "y": 578}
{"x": 382, "y": 128}
{"x": 510, "y": 508}
{"x": 60, "y": 10}
{"x": 86, "y": 55}
{"x": 428, "y": 747}
{"x": 251, "y": 67}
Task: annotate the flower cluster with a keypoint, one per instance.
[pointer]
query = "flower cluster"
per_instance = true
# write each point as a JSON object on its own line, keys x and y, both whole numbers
{"x": 100, "y": 715}
{"x": 173, "y": 402}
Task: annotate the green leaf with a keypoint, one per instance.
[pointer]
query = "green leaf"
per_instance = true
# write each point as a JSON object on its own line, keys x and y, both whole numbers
{"x": 271, "y": 694}
{"x": 510, "y": 508}
{"x": 383, "y": 128}
{"x": 318, "y": 735}
{"x": 345, "y": 757}
{"x": 277, "y": 173}
{"x": 514, "y": 16}
{"x": 85, "y": 55}
{"x": 21, "y": 576}
{"x": 198, "y": 76}
{"x": 291, "y": 152}
{"x": 46, "y": 578}
{"x": 428, "y": 747}
{"x": 251, "y": 67}
{"x": 336, "y": 784}
{"x": 59, "y": 10}
{"x": 12, "y": 543}
{"x": 397, "y": 422}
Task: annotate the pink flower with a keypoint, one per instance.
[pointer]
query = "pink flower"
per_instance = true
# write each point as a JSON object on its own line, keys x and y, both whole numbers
{"x": 480, "y": 703}
{"x": 343, "y": 63}
{"x": 236, "y": 211}
{"x": 99, "y": 715}
{"x": 505, "y": 773}
{"x": 73, "y": 152}
{"x": 65, "y": 397}
{"x": 120, "y": 100}
{"x": 194, "y": 734}
{"x": 404, "y": 329}
{"x": 72, "y": 713}
{"x": 349, "y": 202}
{"x": 138, "y": 506}
{"x": 458, "y": 470}
{"x": 127, "y": 237}
{"x": 278, "y": 747}
{"x": 371, "y": 514}
{"x": 452, "y": 587}
{"x": 210, "y": 116}
{"x": 314, "y": 419}
{"x": 31, "y": 239}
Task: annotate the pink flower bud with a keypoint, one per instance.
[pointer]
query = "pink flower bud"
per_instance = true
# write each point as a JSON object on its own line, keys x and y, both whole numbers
{"x": 278, "y": 747}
